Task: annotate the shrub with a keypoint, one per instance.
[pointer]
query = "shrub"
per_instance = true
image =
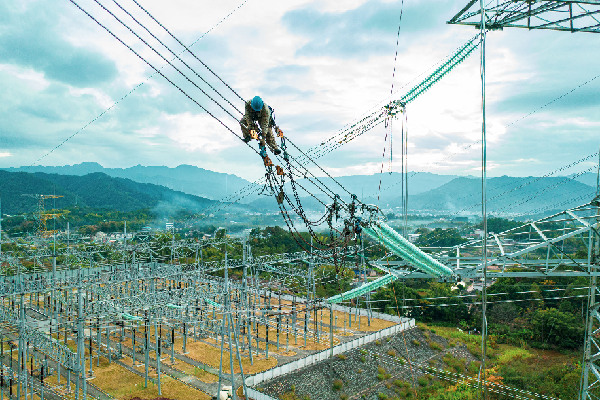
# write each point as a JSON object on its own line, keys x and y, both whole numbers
{"x": 423, "y": 381}
{"x": 382, "y": 396}
{"x": 416, "y": 342}
{"x": 341, "y": 356}
{"x": 378, "y": 342}
{"x": 343, "y": 397}
{"x": 337, "y": 384}
{"x": 363, "y": 358}
{"x": 474, "y": 367}
{"x": 391, "y": 353}
{"x": 382, "y": 374}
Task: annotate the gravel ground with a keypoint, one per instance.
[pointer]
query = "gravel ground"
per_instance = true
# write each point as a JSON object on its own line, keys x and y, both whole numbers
{"x": 363, "y": 373}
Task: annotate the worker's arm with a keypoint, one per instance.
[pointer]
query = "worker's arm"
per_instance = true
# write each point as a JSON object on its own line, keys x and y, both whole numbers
{"x": 248, "y": 112}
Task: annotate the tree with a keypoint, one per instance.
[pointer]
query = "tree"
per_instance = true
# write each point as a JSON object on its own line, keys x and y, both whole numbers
{"x": 498, "y": 225}
{"x": 440, "y": 238}
{"x": 557, "y": 328}
{"x": 333, "y": 280}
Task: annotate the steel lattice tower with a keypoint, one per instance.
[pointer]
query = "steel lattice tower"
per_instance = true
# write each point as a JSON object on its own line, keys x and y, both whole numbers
{"x": 570, "y": 16}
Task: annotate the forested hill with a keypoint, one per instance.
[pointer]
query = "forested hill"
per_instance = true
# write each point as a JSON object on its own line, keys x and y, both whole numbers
{"x": 95, "y": 190}
{"x": 185, "y": 178}
{"x": 505, "y": 195}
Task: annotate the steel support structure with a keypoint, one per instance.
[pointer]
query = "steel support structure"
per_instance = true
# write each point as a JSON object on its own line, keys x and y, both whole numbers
{"x": 564, "y": 15}
{"x": 590, "y": 374}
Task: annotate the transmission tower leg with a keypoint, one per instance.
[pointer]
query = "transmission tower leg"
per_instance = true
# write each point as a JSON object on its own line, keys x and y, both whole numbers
{"x": 21, "y": 349}
{"x": 146, "y": 353}
{"x": 98, "y": 340}
{"x": 133, "y": 347}
{"x": 184, "y": 346}
{"x": 221, "y": 358}
{"x": 108, "y": 343}
{"x": 229, "y": 333}
{"x": 239, "y": 359}
{"x": 158, "y": 351}
{"x": 590, "y": 371}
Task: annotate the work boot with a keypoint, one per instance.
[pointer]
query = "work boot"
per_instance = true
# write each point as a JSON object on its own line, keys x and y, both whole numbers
{"x": 246, "y": 139}
{"x": 277, "y": 152}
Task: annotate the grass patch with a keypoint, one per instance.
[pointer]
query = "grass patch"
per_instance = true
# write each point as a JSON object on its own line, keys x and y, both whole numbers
{"x": 123, "y": 384}
{"x": 435, "y": 346}
{"x": 512, "y": 354}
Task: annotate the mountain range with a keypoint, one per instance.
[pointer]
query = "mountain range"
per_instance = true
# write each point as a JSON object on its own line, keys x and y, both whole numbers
{"x": 184, "y": 178}
{"x": 505, "y": 195}
{"x": 195, "y": 188}
{"x": 19, "y": 192}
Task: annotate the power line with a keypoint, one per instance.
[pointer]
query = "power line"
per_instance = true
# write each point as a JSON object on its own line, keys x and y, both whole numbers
{"x": 171, "y": 64}
{"x": 188, "y": 50}
{"x": 133, "y": 89}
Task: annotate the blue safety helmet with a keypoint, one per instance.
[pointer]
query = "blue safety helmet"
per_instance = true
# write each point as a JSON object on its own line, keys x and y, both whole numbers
{"x": 256, "y": 103}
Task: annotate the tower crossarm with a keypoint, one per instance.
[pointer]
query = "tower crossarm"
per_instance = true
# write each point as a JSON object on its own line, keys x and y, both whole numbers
{"x": 563, "y": 15}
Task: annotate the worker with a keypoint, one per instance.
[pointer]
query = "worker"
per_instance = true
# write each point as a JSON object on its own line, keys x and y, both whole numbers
{"x": 258, "y": 111}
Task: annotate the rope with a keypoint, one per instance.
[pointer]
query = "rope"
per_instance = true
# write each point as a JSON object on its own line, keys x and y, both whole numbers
{"x": 482, "y": 371}
{"x": 412, "y": 374}
{"x": 391, "y": 96}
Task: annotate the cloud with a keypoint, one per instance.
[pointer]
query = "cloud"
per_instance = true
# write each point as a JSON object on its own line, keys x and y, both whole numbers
{"x": 198, "y": 133}
{"x": 363, "y": 31}
{"x": 34, "y": 40}
{"x": 321, "y": 64}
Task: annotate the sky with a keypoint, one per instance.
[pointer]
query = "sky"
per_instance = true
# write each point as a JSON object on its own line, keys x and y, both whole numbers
{"x": 320, "y": 64}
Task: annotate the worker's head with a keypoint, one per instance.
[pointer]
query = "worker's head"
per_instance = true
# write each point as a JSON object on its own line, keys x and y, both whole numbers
{"x": 256, "y": 103}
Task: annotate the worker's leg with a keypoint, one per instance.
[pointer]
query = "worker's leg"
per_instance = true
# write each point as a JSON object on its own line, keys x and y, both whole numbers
{"x": 271, "y": 141}
{"x": 245, "y": 124}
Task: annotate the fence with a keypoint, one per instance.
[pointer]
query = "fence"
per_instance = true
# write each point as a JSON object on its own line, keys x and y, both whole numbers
{"x": 323, "y": 355}
{"x": 360, "y": 311}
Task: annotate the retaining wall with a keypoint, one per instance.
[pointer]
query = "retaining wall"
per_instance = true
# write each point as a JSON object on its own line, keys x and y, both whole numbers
{"x": 256, "y": 395}
{"x": 325, "y": 354}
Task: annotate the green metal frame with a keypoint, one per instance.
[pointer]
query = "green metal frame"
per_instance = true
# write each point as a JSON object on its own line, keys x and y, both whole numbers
{"x": 566, "y": 15}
